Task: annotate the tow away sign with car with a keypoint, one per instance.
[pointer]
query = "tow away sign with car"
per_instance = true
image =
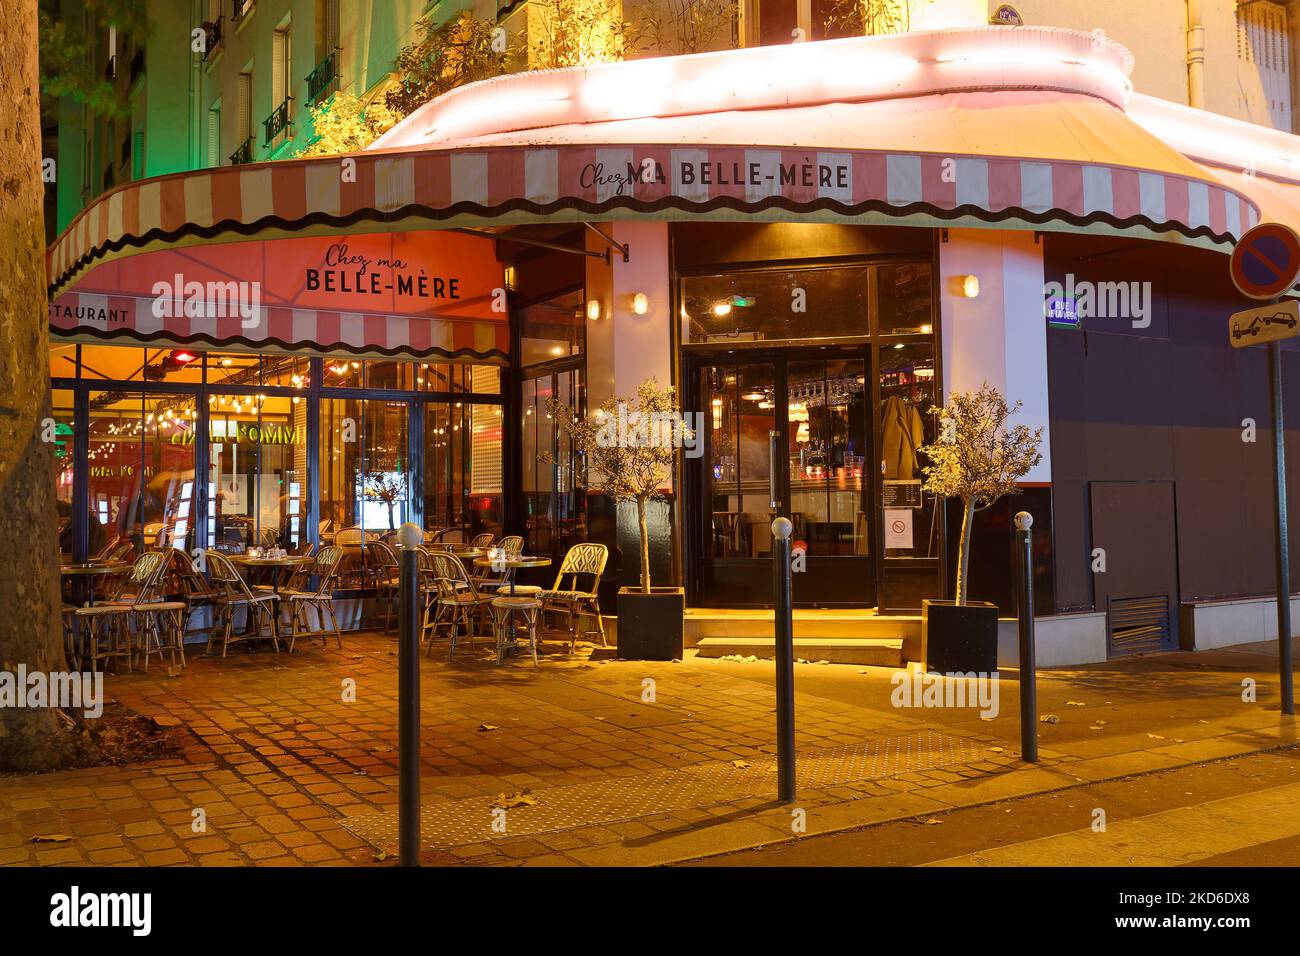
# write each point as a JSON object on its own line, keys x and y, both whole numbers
{"x": 1265, "y": 324}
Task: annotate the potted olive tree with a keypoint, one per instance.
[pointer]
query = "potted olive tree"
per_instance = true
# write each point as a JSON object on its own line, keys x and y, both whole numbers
{"x": 977, "y": 458}
{"x": 629, "y": 446}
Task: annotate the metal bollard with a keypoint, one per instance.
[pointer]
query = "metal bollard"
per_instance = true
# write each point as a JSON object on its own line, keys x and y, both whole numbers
{"x": 784, "y": 623}
{"x": 409, "y": 537}
{"x": 1028, "y": 675}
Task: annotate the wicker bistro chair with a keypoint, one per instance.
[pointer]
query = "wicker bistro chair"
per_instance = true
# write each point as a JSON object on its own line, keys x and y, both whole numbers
{"x": 112, "y": 626}
{"x": 483, "y": 540}
{"x": 321, "y": 599}
{"x": 567, "y": 594}
{"x": 460, "y": 603}
{"x": 261, "y": 608}
{"x": 431, "y": 612}
{"x": 387, "y": 571}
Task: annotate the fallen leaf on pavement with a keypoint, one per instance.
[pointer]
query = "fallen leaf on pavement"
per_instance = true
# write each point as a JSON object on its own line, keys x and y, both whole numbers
{"x": 932, "y": 822}
{"x": 1155, "y": 737}
{"x": 51, "y": 838}
{"x": 1049, "y": 719}
{"x": 485, "y": 727}
{"x": 741, "y": 764}
{"x": 514, "y": 800}
{"x": 1075, "y": 703}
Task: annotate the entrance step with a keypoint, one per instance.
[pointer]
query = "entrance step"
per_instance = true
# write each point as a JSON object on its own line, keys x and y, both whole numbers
{"x": 842, "y": 636}
{"x": 878, "y": 652}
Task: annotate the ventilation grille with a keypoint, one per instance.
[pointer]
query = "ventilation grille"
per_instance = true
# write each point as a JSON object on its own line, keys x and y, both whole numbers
{"x": 1139, "y": 624}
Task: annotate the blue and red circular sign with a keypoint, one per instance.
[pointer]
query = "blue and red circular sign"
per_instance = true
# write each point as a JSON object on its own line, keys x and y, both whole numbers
{"x": 1266, "y": 261}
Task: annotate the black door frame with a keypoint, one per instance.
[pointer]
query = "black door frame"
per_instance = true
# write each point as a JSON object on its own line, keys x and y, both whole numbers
{"x": 698, "y": 525}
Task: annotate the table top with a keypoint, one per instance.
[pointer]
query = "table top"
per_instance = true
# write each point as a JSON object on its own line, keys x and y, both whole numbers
{"x": 458, "y": 551}
{"x": 286, "y": 562}
{"x": 519, "y": 561}
{"x": 99, "y": 567}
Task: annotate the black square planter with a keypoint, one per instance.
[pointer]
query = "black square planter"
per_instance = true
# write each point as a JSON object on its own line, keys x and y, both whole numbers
{"x": 651, "y": 626}
{"x": 959, "y": 639}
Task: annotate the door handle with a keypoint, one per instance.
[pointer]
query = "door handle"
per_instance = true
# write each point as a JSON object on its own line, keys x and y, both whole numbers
{"x": 773, "y": 481}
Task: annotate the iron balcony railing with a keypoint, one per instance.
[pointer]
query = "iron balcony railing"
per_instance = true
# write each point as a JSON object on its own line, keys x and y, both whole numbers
{"x": 137, "y": 64}
{"x": 321, "y": 79}
{"x": 240, "y": 9}
{"x": 277, "y": 122}
{"x": 244, "y": 154}
{"x": 212, "y": 36}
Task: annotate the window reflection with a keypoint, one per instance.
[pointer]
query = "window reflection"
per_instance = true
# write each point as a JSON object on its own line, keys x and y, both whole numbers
{"x": 784, "y": 304}
{"x": 906, "y": 423}
{"x": 141, "y": 466}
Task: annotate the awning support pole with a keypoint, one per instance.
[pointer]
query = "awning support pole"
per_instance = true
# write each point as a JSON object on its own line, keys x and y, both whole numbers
{"x": 541, "y": 244}
{"x": 620, "y": 246}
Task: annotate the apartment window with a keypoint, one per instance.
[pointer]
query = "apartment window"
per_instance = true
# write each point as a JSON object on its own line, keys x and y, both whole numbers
{"x": 244, "y": 125}
{"x": 137, "y": 154}
{"x": 281, "y": 65}
{"x": 214, "y": 135}
{"x": 1263, "y": 50}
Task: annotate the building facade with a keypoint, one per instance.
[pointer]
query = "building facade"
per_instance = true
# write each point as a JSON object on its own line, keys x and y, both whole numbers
{"x": 815, "y": 243}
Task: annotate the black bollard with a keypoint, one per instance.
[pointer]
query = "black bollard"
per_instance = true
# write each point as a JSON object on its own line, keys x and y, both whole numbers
{"x": 1028, "y": 676}
{"x": 408, "y": 697}
{"x": 784, "y": 624}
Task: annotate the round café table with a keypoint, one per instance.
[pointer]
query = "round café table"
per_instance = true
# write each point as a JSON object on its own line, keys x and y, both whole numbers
{"x": 90, "y": 570}
{"x": 279, "y": 564}
{"x": 509, "y": 566}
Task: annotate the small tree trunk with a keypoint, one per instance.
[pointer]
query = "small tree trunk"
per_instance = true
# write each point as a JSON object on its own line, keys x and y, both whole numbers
{"x": 644, "y": 528}
{"x": 963, "y": 551}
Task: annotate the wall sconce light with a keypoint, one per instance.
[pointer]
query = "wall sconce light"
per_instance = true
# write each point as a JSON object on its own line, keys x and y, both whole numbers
{"x": 640, "y": 303}
{"x": 593, "y": 309}
{"x": 967, "y": 286}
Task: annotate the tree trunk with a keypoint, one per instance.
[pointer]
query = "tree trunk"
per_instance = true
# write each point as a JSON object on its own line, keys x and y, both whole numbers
{"x": 963, "y": 551}
{"x": 30, "y": 628}
{"x": 644, "y": 528}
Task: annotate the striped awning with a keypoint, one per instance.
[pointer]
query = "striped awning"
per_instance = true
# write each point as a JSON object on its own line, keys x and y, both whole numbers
{"x": 418, "y": 293}
{"x": 520, "y": 184}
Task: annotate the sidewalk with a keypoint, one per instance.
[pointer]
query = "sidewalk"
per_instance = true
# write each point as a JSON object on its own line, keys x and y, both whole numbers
{"x": 593, "y": 765}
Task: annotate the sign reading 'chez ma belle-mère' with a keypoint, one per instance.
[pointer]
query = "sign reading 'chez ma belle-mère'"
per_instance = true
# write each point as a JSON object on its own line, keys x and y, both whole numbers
{"x": 348, "y": 271}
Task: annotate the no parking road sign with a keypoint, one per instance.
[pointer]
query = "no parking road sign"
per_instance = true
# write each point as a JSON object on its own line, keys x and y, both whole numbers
{"x": 1266, "y": 262}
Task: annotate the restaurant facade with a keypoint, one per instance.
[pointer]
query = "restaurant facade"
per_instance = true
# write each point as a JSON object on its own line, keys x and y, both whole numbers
{"x": 818, "y": 241}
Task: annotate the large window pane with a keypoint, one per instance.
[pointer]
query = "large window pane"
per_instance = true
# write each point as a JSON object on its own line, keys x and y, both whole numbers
{"x": 552, "y": 329}
{"x": 142, "y": 469}
{"x": 258, "y": 472}
{"x": 787, "y": 304}
{"x": 363, "y": 464}
{"x": 64, "y": 432}
{"x": 906, "y": 423}
{"x": 906, "y": 299}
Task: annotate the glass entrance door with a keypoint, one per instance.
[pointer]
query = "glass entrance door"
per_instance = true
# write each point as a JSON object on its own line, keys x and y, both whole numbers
{"x": 812, "y": 412}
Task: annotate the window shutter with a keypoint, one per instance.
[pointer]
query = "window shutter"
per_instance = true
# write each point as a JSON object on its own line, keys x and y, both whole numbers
{"x": 244, "y": 106}
{"x": 277, "y": 68}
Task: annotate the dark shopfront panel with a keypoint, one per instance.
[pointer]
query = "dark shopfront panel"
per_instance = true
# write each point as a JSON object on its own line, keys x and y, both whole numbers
{"x": 846, "y": 381}
{"x": 1164, "y": 404}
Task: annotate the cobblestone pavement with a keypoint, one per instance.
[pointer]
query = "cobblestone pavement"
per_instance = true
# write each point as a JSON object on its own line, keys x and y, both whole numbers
{"x": 291, "y": 759}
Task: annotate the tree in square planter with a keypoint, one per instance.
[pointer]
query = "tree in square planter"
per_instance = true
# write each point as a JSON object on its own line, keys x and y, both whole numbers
{"x": 629, "y": 446}
{"x": 977, "y": 458}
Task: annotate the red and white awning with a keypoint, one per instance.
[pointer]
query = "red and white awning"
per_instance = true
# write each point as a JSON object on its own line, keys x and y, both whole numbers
{"x": 417, "y": 293}
{"x": 1019, "y": 128}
